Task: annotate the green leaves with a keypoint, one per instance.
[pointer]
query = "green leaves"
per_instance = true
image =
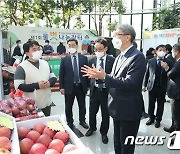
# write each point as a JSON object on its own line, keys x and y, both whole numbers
{"x": 168, "y": 18}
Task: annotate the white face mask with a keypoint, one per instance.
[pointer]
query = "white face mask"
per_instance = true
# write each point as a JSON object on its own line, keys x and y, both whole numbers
{"x": 99, "y": 54}
{"x": 161, "y": 54}
{"x": 117, "y": 43}
{"x": 174, "y": 55}
{"x": 72, "y": 50}
{"x": 37, "y": 55}
{"x": 20, "y": 45}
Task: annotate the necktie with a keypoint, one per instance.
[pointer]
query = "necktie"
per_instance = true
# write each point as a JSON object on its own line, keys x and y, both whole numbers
{"x": 159, "y": 64}
{"x": 76, "y": 73}
{"x": 100, "y": 85}
{"x": 118, "y": 63}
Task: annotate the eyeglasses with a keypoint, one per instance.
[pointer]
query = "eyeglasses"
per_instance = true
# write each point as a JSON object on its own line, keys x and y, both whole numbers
{"x": 122, "y": 34}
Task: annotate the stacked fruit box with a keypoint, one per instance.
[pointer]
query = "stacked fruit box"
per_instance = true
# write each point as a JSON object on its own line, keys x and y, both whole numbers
{"x": 49, "y": 134}
{"x": 8, "y": 134}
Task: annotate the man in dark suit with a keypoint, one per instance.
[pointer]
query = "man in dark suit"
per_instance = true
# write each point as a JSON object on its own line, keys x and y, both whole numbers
{"x": 72, "y": 83}
{"x": 98, "y": 90}
{"x": 125, "y": 94}
{"x": 169, "y": 56}
{"x": 16, "y": 52}
{"x": 155, "y": 82}
{"x": 174, "y": 90}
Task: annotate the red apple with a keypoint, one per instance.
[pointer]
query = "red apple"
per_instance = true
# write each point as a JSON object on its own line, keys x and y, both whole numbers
{"x": 23, "y": 131}
{"x": 39, "y": 127}
{"x": 69, "y": 147}
{"x": 5, "y": 143}
{"x": 25, "y": 145}
{"x": 44, "y": 139}
{"x": 49, "y": 132}
{"x": 33, "y": 135}
{"x": 63, "y": 136}
{"x": 4, "y": 131}
{"x": 38, "y": 148}
{"x": 51, "y": 151}
{"x": 57, "y": 145}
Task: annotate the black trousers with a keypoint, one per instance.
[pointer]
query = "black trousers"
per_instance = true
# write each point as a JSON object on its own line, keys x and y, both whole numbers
{"x": 47, "y": 110}
{"x": 69, "y": 100}
{"x": 123, "y": 129}
{"x": 176, "y": 114}
{"x": 98, "y": 99}
{"x": 156, "y": 94}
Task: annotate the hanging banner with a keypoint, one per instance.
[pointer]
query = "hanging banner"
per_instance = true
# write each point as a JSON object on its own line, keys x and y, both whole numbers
{"x": 54, "y": 35}
{"x": 155, "y": 38}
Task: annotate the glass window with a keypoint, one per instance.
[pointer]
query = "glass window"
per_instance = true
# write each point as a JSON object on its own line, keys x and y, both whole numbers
{"x": 127, "y": 4}
{"x": 148, "y": 4}
{"x": 136, "y": 23}
{"x": 137, "y": 4}
{"x": 126, "y": 19}
{"x": 147, "y": 21}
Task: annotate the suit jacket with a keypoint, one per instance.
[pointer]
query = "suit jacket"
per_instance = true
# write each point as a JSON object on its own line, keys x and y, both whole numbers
{"x": 108, "y": 68}
{"x": 173, "y": 90}
{"x": 66, "y": 76}
{"x": 150, "y": 75}
{"x": 125, "y": 95}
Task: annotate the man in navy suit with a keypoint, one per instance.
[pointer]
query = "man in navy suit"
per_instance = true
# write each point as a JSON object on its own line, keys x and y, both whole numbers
{"x": 155, "y": 81}
{"x": 72, "y": 83}
{"x": 125, "y": 94}
{"x": 98, "y": 90}
{"x": 174, "y": 87}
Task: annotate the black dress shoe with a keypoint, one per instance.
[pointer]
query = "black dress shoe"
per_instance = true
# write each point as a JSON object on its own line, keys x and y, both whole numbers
{"x": 104, "y": 139}
{"x": 149, "y": 122}
{"x": 84, "y": 124}
{"x": 169, "y": 130}
{"x": 89, "y": 132}
{"x": 157, "y": 124}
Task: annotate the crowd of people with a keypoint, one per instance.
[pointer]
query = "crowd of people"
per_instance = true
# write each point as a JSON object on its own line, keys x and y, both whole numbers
{"x": 115, "y": 84}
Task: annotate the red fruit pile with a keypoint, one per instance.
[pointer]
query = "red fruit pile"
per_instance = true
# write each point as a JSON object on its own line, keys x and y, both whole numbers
{"x": 40, "y": 139}
{"x": 22, "y": 106}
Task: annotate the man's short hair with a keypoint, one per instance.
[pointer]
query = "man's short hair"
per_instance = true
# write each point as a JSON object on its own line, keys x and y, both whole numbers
{"x": 47, "y": 41}
{"x": 168, "y": 47}
{"x": 27, "y": 45}
{"x": 128, "y": 30}
{"x": 160, "y": 46}
{"x": 72, "y": 39}
{"x": 18, "y": 41}
{"x": 102, "y": 41}
{"x": 176, "y": 47}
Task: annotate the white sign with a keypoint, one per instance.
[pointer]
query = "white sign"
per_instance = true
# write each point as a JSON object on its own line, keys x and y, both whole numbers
{"x": 155, "y": 38}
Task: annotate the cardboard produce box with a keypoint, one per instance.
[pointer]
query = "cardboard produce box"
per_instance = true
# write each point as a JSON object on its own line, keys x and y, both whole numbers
{"x": 73, "y": 138}
{"x": 14, "y": 135}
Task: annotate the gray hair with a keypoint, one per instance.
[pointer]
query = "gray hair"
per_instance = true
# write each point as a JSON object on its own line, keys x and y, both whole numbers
{"x": 128, "y": 29}
{"x": 176, "y": 47}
